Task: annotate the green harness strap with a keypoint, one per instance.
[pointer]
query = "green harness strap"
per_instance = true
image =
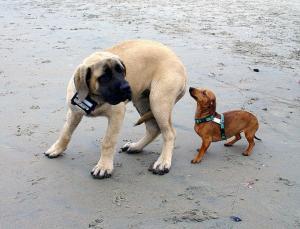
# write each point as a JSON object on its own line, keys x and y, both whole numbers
{"x": 205, "y": 119}
{"x": 210, "y": 118}
{"x": 222, "y": 126}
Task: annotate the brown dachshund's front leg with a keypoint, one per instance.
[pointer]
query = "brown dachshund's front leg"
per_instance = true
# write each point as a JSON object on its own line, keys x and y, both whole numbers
{"x": 205, "y": 144}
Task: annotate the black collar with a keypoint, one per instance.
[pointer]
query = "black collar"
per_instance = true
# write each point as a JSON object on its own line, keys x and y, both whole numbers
{"x": 88, "y": 104}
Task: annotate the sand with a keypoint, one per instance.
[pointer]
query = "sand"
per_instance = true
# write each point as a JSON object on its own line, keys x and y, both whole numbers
{"x": 220, "y": 43}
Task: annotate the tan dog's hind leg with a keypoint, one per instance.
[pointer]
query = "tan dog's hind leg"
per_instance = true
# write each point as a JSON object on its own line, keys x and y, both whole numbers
{"x": 73, "y": 119}
{"x": 205, "y": 144}
{"x": 237, "y": 137}
{"x": 152, "y": 130}
{"x": 104, "y": 167}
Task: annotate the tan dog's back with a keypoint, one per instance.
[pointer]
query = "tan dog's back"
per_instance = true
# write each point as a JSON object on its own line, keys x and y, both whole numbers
{"x": 149, "y": 57}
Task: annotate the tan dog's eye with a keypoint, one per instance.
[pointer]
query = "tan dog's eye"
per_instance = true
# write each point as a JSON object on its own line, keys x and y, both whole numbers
{"x": 106, "y": 76}
{"x": 118, "y": 68}
{"x": 204, "y": 93}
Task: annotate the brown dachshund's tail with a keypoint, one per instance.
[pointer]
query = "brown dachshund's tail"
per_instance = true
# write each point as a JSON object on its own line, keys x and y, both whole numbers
{"x": 145, "y": 117}
{"x": 257, "y": 138}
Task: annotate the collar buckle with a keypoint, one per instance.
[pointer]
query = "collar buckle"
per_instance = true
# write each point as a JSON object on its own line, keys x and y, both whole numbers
{"x": 87, "y": 105}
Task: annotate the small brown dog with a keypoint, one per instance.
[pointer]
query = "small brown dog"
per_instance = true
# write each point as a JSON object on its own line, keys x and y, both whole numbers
{"x": 213, "y": 127}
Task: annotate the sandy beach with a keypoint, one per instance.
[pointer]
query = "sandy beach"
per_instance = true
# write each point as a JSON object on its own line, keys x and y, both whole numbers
{"x": 220, "y": 43}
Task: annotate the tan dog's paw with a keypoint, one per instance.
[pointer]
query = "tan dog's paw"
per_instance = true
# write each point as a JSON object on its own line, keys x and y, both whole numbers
{"x": 102, "y": 170}
{"x": 54, "y": 151}
{"x": 160, "y": 167}
{"x": 130, "y": 148}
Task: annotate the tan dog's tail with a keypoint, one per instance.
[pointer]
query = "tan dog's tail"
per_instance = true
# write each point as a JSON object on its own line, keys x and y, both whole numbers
{"x": 257, "y": 138}
{"x": 145, "y": 117}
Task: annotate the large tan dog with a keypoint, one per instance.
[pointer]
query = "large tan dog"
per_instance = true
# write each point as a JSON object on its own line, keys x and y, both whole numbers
{"x": 157, "y": 80}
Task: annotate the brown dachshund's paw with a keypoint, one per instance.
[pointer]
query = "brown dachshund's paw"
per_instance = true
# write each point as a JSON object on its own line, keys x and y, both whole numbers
{"x": 228, "y": 144}
{"x": 195, "y": 161}
{"x": 246, "y": 154}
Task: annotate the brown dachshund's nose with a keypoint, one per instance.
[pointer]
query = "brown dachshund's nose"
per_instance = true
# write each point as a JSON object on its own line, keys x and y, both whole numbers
{"x": 191, "y": 89}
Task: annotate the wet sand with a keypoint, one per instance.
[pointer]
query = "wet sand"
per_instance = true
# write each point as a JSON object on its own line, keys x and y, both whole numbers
{"x": 220, "y": 43}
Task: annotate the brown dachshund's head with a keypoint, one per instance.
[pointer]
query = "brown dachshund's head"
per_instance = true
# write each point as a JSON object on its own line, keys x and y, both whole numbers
{"x": 206, "y": 99}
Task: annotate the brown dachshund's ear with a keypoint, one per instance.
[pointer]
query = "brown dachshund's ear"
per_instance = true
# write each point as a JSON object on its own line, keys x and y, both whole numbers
{"x": 81, "y": 76}
{"x": 212, "y": 106}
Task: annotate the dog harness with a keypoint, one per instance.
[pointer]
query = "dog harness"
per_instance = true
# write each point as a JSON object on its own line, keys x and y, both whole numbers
{"x": 215, "y": 120}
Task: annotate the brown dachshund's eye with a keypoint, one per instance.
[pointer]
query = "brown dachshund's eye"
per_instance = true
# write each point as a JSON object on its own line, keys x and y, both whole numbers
{"x": 204, "y": 93}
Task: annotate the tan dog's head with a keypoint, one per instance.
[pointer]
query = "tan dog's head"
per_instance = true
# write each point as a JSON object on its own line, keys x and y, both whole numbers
{"x": 102, "y": 74}
{"x": 206, "y": 99}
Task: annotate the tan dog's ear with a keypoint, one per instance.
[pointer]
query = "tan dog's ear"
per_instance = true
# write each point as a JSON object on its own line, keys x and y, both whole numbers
{"x": 81, "y": 76}
{"x": 123, "y": 66}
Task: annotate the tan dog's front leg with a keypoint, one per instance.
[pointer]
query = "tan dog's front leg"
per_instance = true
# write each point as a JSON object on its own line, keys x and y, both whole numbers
{"x": 205, "y": 144}
{"x": 104, "y": 167}
{"x": 73, "y": 119}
